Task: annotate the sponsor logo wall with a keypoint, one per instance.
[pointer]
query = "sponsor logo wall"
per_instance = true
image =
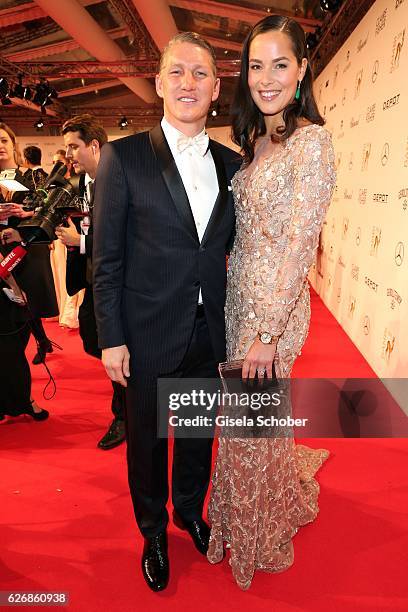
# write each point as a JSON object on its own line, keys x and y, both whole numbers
{"x": 362, "y": 268}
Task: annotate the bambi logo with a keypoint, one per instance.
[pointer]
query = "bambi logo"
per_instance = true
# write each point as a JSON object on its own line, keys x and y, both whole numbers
{"x": 366, "y": 325}
{"x": 352, "y": 307}
{"x": 366, "y": 156}
{"x": 388, "y": 345}
{"x": 338, "y": 160}
{"x": 385, "y": 154}
{"x": 374, "y": 73}
{"x": 359, "y": 80}
{"x": 399, "y": 253}
{"x": 358, "y": 236}
{"x": 396, "y": 50}
{"x": 375, "y": 241}
{"x": 345, "y": 227}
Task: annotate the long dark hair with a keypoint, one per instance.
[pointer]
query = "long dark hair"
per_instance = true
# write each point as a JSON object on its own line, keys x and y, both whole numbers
{"x": 248, "y": 122}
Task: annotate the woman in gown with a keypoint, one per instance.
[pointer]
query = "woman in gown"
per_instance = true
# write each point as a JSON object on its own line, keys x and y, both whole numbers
{"x": 264, "y": 489}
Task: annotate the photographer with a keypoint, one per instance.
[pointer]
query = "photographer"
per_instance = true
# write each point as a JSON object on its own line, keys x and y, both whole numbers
{"x": 34, "y": 274}
{"x": 83, "y": 138}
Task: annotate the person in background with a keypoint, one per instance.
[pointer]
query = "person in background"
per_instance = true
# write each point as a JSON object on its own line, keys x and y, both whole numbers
{"x": 35, "y": 176}
{"x": 34, "y": 273}
{"x": 84, "y": 138}
{"x": 68, "y": 304}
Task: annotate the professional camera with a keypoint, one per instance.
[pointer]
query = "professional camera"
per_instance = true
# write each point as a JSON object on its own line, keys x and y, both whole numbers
{"x": 52, "y": 204}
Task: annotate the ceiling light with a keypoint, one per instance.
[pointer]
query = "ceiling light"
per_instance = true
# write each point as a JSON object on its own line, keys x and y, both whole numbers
{"x": 330, "y": 5}
{"x": 21, "y": 91}
{"x": 123, "y": 123}
{"x": 4, "y": 87}
{"x": 44, "y": 94}
{"x": 39, "y": 124}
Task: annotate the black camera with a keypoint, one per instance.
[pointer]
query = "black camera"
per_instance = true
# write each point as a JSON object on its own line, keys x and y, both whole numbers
{"x": 52, "y": 204}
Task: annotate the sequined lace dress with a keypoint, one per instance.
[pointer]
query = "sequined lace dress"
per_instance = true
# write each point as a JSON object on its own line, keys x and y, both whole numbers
{"x": 264, "y": 489}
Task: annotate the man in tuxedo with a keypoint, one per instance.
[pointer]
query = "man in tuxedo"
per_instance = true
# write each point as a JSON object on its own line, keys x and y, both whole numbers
{"x": 164, "y": 221}
{"x": 84, "y": 138}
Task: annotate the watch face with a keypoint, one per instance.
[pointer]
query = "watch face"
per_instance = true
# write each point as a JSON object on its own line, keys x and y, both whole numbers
{"x": 266, "y": 338}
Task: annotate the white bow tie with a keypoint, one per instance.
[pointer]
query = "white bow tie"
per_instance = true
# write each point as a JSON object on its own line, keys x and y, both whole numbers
{"x": 199, "y": 143}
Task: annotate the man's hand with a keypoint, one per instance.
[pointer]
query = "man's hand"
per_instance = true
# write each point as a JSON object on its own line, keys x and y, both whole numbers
{"x": 68, "y": 235}
{"x": 116, "y": 361}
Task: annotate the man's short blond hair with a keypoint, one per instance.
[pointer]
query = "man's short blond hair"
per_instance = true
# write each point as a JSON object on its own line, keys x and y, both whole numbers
{"x": 194, "y": 39}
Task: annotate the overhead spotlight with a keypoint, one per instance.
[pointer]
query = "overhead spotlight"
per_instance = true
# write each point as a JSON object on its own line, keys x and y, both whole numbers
{"x": 330, "y": 5}
{"x": 123, "y": 123}
{"x": 44, "y": 94}
{"x": 214, "y": 112}
{"x": 4, "y": 87}
{"x": 39, "y": 124}
{"x": 312, "y": 39}
{"x": 21, "y": 91}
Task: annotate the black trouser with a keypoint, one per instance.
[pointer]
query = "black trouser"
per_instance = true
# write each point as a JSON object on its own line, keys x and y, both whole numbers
{"x": 147, "y": 454}
{"x": 38, "y": 331}
{"x": 89, "y": 336}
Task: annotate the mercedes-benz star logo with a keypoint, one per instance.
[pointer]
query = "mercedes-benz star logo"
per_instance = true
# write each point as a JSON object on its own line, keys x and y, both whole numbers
{"x": 399, "y": 253}
{"x": 374, "y": 73}
{"x": 385, "y": 154}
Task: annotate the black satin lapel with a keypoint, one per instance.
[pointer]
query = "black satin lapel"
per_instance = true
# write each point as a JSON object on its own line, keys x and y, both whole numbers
{"x": 221, "y": 201}
{"x": 172, "y": 178}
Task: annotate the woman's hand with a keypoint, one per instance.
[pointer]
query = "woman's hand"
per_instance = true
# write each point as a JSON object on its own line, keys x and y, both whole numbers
{"x": 259, "y": 359}
{"x": 5, "y": 211}
{"x": 17, "y": 211}
{"x": 10, "y": 235}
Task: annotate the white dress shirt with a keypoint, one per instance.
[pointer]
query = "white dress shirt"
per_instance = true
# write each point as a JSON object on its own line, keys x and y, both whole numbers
{"x": 85, "y": 221}
{"x": 199, "y": 178}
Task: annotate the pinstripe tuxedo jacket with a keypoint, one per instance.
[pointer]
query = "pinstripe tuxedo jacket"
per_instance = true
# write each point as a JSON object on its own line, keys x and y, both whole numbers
{"x": 148, "y": 262}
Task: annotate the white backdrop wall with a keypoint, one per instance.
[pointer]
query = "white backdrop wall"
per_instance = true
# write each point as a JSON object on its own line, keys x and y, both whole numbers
{"x": 362, "y": 267}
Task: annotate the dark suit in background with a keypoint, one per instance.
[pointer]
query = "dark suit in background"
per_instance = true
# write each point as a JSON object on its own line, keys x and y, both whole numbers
{"x": 79, "y": 276}
{"x": 148, "y": 268}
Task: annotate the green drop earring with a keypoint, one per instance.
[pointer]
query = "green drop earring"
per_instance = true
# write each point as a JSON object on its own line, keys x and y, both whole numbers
{"x": 297, "y": 94}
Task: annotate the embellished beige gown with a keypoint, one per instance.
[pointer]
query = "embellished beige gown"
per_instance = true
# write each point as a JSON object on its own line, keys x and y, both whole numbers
{"x": 264, "y": 489}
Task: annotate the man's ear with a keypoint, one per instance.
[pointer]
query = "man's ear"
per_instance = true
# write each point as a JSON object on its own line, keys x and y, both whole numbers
{"x": 159, "y": 85}
{"x": 216, "y": 91}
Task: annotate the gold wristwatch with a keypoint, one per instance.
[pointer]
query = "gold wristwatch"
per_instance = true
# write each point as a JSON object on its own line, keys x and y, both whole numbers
{"x": 267, "y": 338}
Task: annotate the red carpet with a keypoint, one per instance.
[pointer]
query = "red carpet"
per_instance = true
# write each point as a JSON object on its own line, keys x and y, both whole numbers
{"x": 67, "y": 523}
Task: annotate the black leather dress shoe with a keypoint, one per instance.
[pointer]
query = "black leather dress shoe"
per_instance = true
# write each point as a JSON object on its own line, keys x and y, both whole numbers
{"x": 114, "y": 436}
{"x": 198, "y": 530}
{"x": 155, "y": 562}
